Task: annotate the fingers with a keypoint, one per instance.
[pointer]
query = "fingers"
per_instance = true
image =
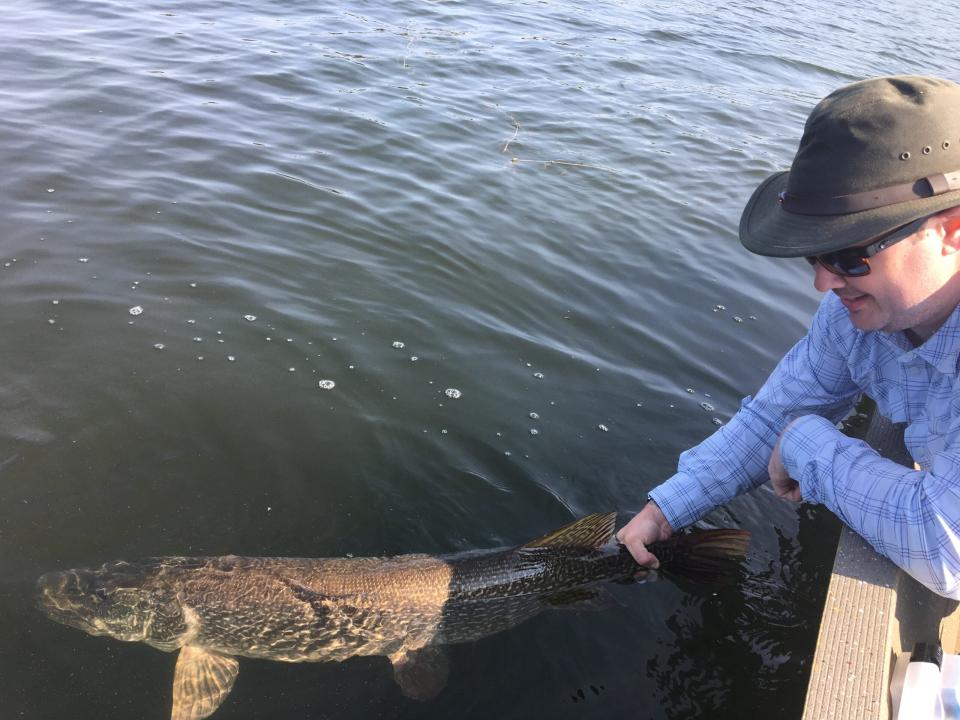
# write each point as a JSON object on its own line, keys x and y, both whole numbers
{"x": 638, "y": 550}
{"x": 643, "y": 556}
{"x": 647, "y": 527}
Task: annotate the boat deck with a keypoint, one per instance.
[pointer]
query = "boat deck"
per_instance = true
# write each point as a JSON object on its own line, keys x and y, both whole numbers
{"x": 873, "y": 613}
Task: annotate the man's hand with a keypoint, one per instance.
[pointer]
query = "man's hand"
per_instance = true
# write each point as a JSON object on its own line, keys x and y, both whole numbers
{"x": 783, "y": 485}
{"x": 647, "y": 526}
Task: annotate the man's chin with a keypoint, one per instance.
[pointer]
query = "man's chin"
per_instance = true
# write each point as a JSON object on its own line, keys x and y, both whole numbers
{"x": 868, "y": 322}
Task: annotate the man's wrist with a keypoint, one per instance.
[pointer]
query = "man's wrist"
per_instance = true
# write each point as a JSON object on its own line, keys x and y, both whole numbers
{"x": 799, "y": 445}
{"x": 656, "y": 514}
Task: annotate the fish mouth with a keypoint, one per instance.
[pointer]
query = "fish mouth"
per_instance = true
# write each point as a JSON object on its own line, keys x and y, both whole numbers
{"x": 67, "y": 597}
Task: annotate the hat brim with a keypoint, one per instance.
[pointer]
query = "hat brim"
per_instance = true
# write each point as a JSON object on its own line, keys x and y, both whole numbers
{"x": 767, "y": 229}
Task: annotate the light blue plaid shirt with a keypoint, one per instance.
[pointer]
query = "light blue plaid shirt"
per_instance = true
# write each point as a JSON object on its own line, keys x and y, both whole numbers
{"x": 910, "y": 516}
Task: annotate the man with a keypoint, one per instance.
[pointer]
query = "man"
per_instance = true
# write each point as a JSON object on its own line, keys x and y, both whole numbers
{"x": 872, "y": 201}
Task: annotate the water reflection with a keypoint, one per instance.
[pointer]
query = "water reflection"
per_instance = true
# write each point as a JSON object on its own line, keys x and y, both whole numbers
{"x": 762, "y": 626}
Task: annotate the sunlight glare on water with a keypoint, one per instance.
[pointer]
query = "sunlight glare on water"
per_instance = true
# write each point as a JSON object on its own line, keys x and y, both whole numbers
{"x": 541, "y": 199}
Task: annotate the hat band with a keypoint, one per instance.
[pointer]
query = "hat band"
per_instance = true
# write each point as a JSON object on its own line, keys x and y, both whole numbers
{"x": 872, "y": 199}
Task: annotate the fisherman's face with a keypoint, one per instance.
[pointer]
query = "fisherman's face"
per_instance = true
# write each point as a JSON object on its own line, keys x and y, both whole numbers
{"x": 912, "y": 285}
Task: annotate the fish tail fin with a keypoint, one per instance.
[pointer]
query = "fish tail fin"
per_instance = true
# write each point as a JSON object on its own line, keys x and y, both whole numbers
{"x": 702, "y": 555}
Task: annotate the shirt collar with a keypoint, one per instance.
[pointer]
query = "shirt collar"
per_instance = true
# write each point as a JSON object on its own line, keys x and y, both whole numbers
{"x": 941, "y": 350}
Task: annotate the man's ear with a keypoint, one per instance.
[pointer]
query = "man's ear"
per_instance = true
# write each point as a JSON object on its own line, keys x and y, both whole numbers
{"x": 949, "y": 221}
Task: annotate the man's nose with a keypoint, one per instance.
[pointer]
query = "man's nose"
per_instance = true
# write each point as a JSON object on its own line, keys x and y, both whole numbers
{"x": 824, "y": 280}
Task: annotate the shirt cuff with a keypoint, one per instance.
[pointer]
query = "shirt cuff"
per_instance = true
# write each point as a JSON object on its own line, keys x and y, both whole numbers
{"x": 680, "y": 500}
{"x": 799, "y": 445}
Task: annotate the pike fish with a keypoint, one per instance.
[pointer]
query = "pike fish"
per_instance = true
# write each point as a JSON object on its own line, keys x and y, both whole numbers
{"x": 406, "y": 608}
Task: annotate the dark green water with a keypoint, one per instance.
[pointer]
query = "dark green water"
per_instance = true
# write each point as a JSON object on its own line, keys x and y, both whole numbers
{"x": 537, "y": 200}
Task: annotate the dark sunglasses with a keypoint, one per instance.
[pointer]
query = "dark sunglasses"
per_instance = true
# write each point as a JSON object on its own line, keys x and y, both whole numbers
{"x": 855, "y": 261}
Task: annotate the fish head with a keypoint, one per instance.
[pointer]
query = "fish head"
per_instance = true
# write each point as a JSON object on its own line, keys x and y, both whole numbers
{"x": 122, "y": 600}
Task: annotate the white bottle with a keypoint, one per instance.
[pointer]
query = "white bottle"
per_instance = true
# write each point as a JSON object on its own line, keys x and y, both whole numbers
{"x": 920, "y": 697}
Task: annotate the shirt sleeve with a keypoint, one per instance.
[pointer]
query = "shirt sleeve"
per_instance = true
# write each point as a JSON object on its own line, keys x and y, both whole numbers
{"x": 910, "y": 516}
{"x": 813, "y": 378}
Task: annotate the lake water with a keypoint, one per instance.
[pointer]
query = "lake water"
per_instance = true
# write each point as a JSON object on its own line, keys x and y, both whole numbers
{"x": 209, "y": 208}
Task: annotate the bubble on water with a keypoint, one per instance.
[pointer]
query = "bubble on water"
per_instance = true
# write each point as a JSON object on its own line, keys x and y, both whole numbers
{"x": 706, "y": 395}
{"x": 538, "y": 375}
{"x": 193, "y": 285}
{"x": 327, "y": 384}
{"x": 534, "y": 416}
{"x": 398, "y": 345}
{"x": 452, "y": 393}
{"x": 707, "y": 406}
{"x": 292, "y": 369}
{"x": 136, "y": 310}
{"x": 690, "y": 390}
{"x": 737, "y": 318}
{"x": 719, "y": 307}
{"x": 55, "y": 302}
{"x": 753, "y": 317}
{"x": 534, "y": 431}
{"x": 717, "y": 421}
{"x": 507, "y": 453}
{"x": 198, "y": 339}
{"x": 191, "y": 322}
{"x": 443, "y": 432}
{"x": 84, "y": 260}
{"x": 51, "y": 321}
{"x": 158, "y": 346}
{"x": 231, "y": 358}
{"x": 250, "y": 318}
{"x": 603, "y": 428}
{"x": 51, "y": 190}
{"x": 199, "y": 357}
{"x": 413, "y": 358}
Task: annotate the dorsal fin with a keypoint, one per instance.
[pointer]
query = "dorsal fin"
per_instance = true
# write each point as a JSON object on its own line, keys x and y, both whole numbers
{"x": 586, "y": 533}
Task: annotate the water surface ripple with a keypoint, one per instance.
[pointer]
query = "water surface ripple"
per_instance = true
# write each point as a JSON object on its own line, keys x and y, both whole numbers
{"x": 534, "y": 204}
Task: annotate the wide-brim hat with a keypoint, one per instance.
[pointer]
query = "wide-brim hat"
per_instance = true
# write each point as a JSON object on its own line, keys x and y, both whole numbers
{"x": 875, "y": 156}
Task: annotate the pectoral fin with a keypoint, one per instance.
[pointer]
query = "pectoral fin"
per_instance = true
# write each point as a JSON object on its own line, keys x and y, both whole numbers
{"x": 421, "y": 674}
{"x": 201, "y": 682}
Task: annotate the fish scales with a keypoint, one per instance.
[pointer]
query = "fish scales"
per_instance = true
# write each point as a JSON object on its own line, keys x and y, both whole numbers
{"x": 405, "y": 608}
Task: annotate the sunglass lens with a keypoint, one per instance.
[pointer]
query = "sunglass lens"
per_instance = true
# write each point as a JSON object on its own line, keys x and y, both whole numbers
{"x": 848, "y": 262}
{"x": 843, "y": 263}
